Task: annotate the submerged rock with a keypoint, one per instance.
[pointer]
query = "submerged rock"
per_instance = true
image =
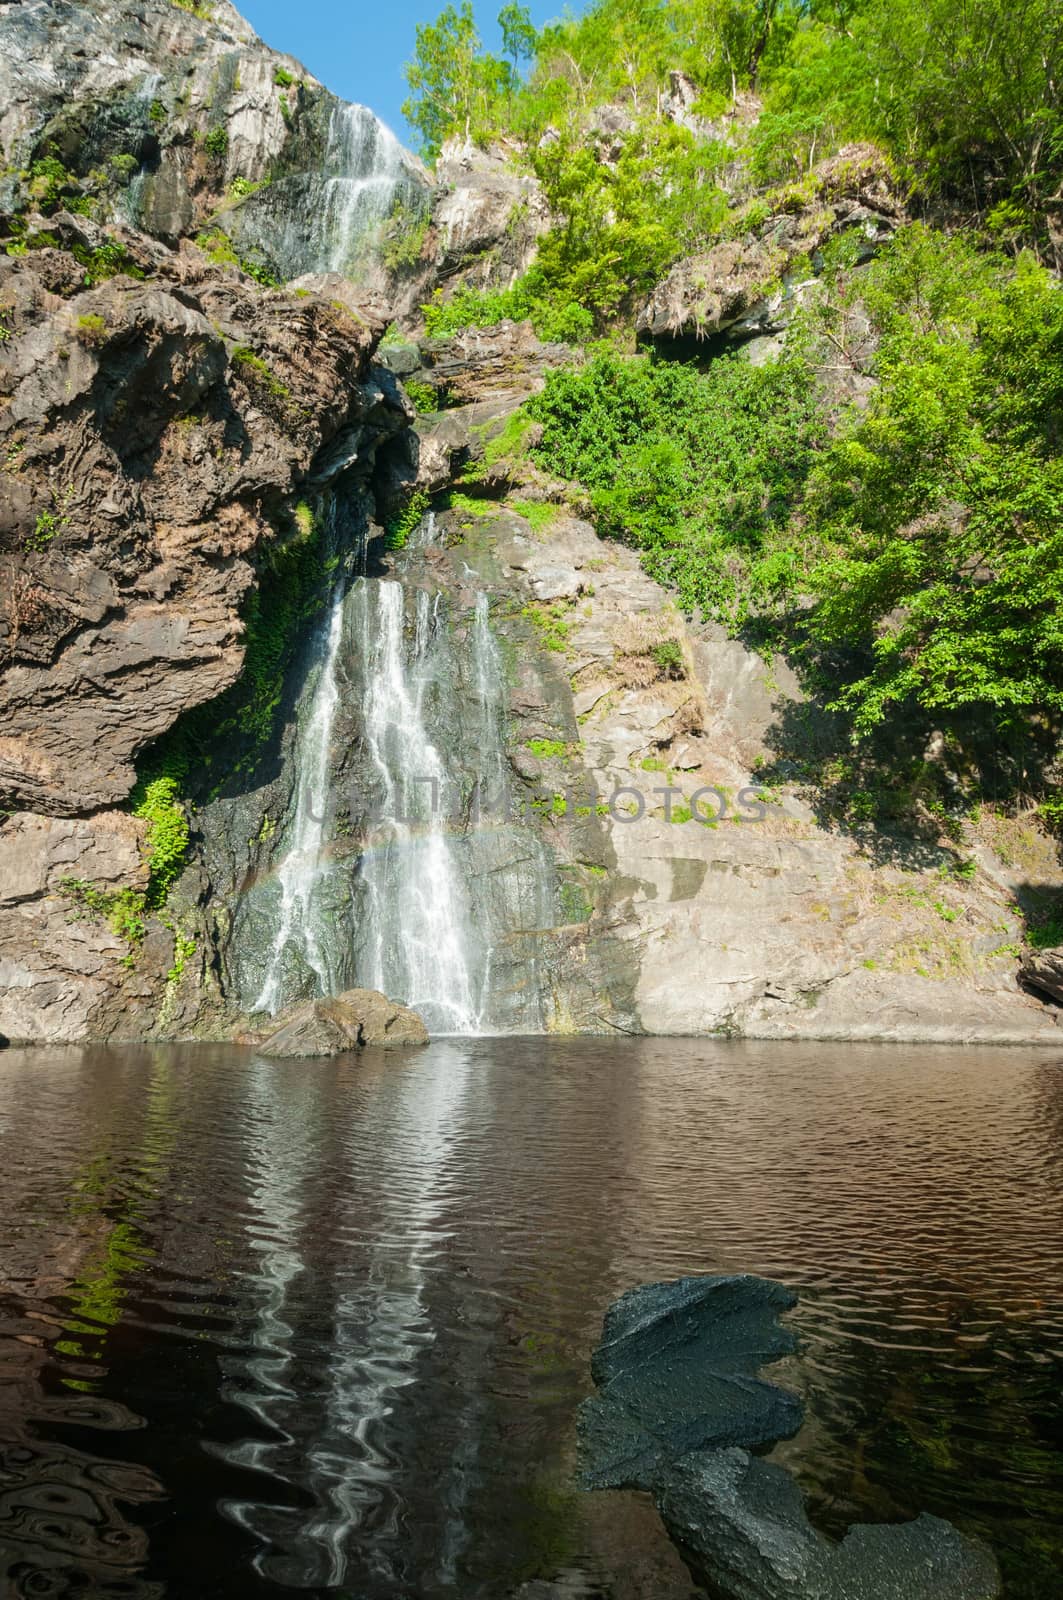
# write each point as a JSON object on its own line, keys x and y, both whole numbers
{"x": 343, "y": 1022}
{"x": 677, "y": 1371}
{"x": 679, "y": 1409}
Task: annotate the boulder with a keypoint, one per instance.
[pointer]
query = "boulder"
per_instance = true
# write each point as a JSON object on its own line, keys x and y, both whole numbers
{"x": 679, "y": 1409}
{"x": 343, "y": 1022}
{"x": 1043, "y": 970}
{"x": 742, "y": 1521}
{"x": 677, "y": 1370}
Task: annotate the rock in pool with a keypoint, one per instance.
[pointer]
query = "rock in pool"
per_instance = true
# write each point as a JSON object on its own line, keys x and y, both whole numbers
{"x": 342, "y": 1022}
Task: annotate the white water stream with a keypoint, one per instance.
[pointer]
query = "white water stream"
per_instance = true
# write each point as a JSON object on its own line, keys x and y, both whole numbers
{"x": 301, "y": 865}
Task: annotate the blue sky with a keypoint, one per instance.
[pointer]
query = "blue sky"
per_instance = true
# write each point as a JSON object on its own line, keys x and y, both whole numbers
{"x": 358, "y": 47}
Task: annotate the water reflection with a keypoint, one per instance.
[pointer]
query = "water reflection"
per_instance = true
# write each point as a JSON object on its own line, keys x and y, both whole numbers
{"x": 277, "y": 1326}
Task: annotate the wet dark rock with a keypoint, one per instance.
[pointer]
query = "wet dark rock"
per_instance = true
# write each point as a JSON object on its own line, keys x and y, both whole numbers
{"x": 742, "y": 1522}
{"x": 328, "y": 1027}
{"x": 679, "y": 1409}
{"x": 677, "y": 1371}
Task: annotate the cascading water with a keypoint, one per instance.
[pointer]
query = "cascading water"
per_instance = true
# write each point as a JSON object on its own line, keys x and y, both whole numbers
{"x": 422, "y": 944}
{"x": 365, "y": 173}
{"x": 427, "y": 894}
{"x": 329, "y": 219}
{"x": 301, "y": 865}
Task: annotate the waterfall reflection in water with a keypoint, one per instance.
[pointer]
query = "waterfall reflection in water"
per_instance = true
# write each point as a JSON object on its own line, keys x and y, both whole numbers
{"x": 339, "y": 1314}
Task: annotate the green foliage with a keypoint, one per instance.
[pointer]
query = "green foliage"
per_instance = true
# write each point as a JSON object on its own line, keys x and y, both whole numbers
{"x": 422, "y": 396}
{"x": 966, "y": 98}
{"x": 216, "y": 143}
{"x": 122, "y": 909}
{"x": 48, "y": 179}
{"x": 454, "y": 85}
{"x": 158, "y": 801}
{"x": 942, "y": 506}
{"x": 402, "y": 238}
{"x": 700, "y": 471}
{"x": 668, "y": 658}
{"x": 198, "y": 8}
{"x": 157, "y": 113}
{"x": 408, "y": 520}
{"x": 548, "y": 749}
{"x": 106, "y": 261}
{"x": 283, "y": 78}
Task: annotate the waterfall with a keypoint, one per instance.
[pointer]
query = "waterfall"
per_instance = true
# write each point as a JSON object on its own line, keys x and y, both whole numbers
{"x": 421, "y": 943}
{"x": 329, "y": 219}
{"x": 427, "y": 895}
{"x": 365, "y": 172}
{"x": 301, "y": 865}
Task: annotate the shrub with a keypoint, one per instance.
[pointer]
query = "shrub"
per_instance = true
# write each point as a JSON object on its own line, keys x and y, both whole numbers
{"x": 216, "y": 142}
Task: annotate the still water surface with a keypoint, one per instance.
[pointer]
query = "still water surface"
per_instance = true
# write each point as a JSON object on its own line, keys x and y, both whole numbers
{"x": 273, "y": 1327}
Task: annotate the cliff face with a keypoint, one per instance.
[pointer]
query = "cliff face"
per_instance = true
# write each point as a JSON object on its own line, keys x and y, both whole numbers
{"x": 195, "y": 463}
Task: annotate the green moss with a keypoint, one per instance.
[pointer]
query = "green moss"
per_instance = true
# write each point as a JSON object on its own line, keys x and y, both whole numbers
{"x": 256, "y": 373}
{"x": 283, "y": 78}
{"x": 511, "y": 441}
{"x": 539, "y": 513}
{"x": 552, "y": 623}
{"x": 548, "y": 749}
{"x": 91, "y": 328}
{"x": 216, "y": 143}
{"x": 198, "y": 8}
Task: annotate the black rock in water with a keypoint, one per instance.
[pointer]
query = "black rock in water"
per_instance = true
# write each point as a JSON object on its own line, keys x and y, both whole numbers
{"x": 679, "y": 1409}
{"x": 677, "y": 1371}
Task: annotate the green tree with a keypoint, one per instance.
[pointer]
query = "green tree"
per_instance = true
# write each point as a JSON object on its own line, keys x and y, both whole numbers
{"x": 519, "y": 38}
{"x": 455, "y": 87}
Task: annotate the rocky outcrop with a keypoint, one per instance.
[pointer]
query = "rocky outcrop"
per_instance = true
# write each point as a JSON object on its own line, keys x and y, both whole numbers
{"x": 166, "y": 432}
{"x": 758, "y": 921}
{"x": 179, "y": 119}
{"x": 155, "y": 435}
{"x": 328, "y": 1027}
{"x": 681, "y": 1407}
{"x": 749, "y": 285}
{"x": 1043, "y": 970}
{"x": 488, "y": 216}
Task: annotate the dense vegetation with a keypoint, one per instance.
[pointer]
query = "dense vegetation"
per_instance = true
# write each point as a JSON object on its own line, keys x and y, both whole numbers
{"x": 884, "y": 502}
{"x": 965, "y": 99}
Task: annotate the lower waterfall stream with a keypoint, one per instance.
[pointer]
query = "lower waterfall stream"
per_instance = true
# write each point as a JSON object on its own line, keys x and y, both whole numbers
{"x": 406, "y": 921}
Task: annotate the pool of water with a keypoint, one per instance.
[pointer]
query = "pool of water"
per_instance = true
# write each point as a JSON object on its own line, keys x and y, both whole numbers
{"x": 324, "y": 1326}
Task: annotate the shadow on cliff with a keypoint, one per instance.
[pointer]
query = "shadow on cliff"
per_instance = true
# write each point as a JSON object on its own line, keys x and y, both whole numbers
{"x": 903, "y": 791}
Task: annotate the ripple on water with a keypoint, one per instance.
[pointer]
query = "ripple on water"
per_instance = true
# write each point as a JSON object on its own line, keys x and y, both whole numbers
{"x": 323, "y": 1326}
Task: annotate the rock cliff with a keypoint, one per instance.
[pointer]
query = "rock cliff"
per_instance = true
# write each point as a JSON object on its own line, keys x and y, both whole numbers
{"x": 194, "y": 459}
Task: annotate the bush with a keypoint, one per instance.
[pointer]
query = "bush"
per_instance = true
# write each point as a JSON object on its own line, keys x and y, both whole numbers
{"x": 700, "y": 471}
{"x": 216, "y": 142}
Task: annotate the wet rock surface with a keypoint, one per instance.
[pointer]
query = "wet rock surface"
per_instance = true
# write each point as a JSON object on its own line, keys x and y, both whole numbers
{"x": 679, "y": 1409}
{"x": 1043, "y": 970}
